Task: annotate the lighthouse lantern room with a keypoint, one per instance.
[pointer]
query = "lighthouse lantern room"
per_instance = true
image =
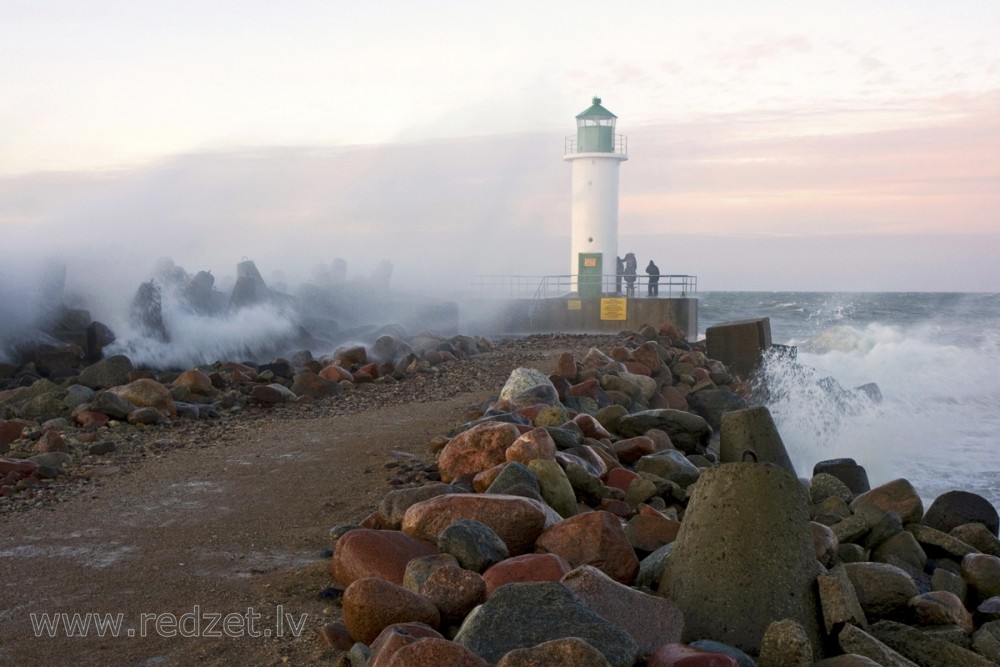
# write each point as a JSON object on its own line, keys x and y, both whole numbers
{"x": 595, "y": 154}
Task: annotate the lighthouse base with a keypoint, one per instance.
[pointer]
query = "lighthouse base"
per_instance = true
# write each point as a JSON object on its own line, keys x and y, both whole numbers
{"x": 578, "y": 314}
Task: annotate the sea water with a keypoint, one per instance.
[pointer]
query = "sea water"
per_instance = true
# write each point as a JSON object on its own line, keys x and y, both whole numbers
{"x": 935, "y": 358}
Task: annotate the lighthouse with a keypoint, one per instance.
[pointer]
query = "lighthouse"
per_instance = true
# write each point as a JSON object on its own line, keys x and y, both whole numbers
{"x": 596, "y": 154}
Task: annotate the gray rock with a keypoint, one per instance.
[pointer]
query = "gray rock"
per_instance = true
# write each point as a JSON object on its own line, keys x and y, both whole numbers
{"x": 986, "y": 641}
{"x": 923, "y": 649}
{"x": 838, "y": 600}
{"x": 847, "y": 471}
{"x": 856, "y": 526}
{"x": 474, "y": 544}
{"x": 897, "y": 496}
{"x": 395, "y": 503}
{"x": 106, "y": 373}
{"x": 565, "y": 438}
{"x": 749, "y": 521}
{"x": 187, "y": 410}
{"x": 111, "y": 404}
{"x": 977, "y": 536}
{"x": 145, "y": 416}
{"x": 943, "y": 580}
{"x": 650, "y": 620}
{"x": 587, "y": 486}
{"x": 901, "y": 547}
{"x": 889, "y": 525}
{"x": 43, "y": 408}
{"x": 52, "y": 459}
{"x": 689, "y": 432}
{"x": 514, "y": 474}
{"x": 936, "y": 542}
{"x": 651, "y": 568}
{"x": 955, "y": 508}
{"x": 100, "y": 448}
{"x": 76, "y": 395}
{"x": 268, "y": 394}
{"x": 521, "y": 380}
{"x": 555, "y": 487}
{"x": 825, "y": 485}
{"x": 420, "y": 568}
{"x": 670, "y": 465}
{"x": 522, "y": 615}
{"x": 785, "y": 644}
{"x": 542, "y": 393}
{"x": 610, "y": 417}
{"x": 883, "y": 590}
{"x": 856, "y": 641}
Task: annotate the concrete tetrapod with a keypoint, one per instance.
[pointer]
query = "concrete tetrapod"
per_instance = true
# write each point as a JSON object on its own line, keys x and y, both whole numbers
{"x": 743, "y": 557}
{"x": 752, "y": 429}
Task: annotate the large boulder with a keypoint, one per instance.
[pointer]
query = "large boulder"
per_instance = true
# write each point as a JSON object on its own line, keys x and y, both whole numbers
{"x": 112, "y": 405}
{"x": 897, "y": 496}
{"x": 650, "y": 620}
{"x": 363, "y": 552}
{"x": 883, "y": 590}
{"x": 688, "y": 432}
{"x": 518, "y": 521}
{"x": 592, "y": 538}
{"x": 925, "y": 649}
{"x": 480, "y": 447}
{"x": 146, "y": 393}
{"x": 523, "y": 615}
{"x": 371, "y": 605}
{"x": 955, "y": 508}
{"x": 521, "y": 380}
{"x": 106, "y": 373}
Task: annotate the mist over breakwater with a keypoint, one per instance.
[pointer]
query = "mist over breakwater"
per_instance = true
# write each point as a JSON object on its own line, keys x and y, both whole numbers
{"x": 935, "y": 357}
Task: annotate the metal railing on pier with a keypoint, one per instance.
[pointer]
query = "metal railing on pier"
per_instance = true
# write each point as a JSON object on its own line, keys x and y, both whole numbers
{"x": 543, "y": 287}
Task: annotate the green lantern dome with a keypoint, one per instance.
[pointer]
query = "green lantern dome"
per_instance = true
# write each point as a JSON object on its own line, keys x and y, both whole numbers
{"x": 595, "y": 129}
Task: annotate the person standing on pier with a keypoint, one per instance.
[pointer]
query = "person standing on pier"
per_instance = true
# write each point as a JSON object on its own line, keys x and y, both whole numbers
{"x": 630, "y": 266}
{"x": 619, "y": 272}
{"x": 653, "y": 289}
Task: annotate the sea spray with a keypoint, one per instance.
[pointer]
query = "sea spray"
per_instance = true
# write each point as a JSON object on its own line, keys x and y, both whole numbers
{"x": 253, "y": 333}
{"x": 938, "y": 424}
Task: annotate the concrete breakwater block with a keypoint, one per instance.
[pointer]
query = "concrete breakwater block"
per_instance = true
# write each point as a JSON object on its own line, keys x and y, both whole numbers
{"x": 752, "y": 429}
{"x": 740, "y": 345}
{"x": 744, "y": 557}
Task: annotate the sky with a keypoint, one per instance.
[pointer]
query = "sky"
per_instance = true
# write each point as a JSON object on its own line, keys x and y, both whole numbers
{"x": 850, "y": 146}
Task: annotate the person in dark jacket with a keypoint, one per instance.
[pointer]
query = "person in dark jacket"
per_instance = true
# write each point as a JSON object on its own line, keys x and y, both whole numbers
{"x": 654, "y": 279}
{"x": 619, "y": 272}
{"x": 630, "y": 266}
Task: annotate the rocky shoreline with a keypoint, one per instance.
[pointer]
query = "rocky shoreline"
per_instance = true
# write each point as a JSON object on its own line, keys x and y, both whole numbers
{"x": 633, "y": 507}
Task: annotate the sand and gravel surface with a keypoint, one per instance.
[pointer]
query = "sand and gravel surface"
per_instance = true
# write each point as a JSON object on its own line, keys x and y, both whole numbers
{"x": 204, "y": 520}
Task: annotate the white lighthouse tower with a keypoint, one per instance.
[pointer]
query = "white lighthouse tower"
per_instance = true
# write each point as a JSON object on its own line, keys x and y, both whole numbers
{"x": 596, "y": 153}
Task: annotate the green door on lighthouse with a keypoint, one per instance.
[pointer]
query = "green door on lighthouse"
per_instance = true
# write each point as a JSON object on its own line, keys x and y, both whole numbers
{"x": 589, "y": 274}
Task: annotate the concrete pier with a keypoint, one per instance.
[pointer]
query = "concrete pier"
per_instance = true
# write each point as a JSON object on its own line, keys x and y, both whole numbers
{"x": 572, "y": 314}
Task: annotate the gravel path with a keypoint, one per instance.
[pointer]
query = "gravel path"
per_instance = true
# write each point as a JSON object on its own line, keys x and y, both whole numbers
{"x": 217, "y": 518}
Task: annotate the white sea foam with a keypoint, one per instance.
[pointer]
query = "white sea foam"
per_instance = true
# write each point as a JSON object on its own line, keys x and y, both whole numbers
{"x": 246, "y": 334}
{"x": 938, "y": 424}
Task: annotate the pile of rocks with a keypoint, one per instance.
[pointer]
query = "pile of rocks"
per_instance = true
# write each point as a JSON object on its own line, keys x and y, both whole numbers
{"x": 49, "y": 421}
{"x": 631, "y": 508}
